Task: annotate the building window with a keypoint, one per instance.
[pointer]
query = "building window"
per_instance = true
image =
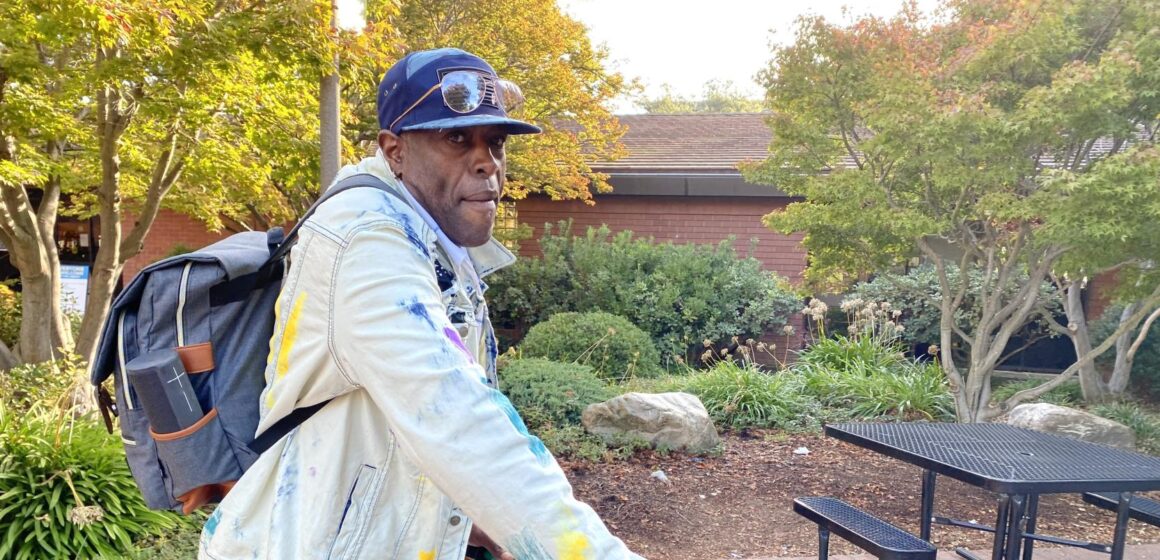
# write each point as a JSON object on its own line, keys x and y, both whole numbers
{"x": 507, "y": 224}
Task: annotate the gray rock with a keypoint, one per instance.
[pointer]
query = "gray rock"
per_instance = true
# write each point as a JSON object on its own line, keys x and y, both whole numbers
{"x": 672, "y": 420}
{"x": 1064, "y": 421}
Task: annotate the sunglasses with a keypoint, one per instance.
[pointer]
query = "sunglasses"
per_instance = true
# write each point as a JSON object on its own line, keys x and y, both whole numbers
{"x": 465, "y": 90}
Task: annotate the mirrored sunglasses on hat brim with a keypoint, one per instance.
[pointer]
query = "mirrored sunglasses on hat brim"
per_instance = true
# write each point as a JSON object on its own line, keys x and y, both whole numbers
{"x": 464, "y": 91}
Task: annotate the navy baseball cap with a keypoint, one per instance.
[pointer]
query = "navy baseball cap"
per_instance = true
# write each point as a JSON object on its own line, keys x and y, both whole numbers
{"x": 409, "y": 98}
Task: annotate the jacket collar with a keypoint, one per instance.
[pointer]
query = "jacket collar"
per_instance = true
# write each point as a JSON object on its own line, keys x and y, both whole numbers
{"x": 486, "y": 258}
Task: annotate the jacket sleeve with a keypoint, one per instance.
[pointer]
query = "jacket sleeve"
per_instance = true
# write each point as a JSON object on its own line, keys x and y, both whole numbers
{"x": 392, "y": 337}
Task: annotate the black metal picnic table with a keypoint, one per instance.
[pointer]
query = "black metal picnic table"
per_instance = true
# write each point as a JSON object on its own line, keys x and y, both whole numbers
{"x": 1017, "y": 464}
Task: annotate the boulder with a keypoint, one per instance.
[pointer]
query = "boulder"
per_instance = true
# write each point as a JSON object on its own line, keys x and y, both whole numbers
{"x": 670, "y": 420}
{"x": 1069, "y": 422}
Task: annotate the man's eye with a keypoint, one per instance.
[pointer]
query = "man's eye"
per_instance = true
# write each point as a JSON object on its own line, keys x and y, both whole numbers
{"x": 499, "y": 141}
{"x": 457, "y": 137}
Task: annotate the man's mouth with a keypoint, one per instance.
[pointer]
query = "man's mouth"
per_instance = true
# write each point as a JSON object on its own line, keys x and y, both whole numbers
{"x": 482, "y": 201}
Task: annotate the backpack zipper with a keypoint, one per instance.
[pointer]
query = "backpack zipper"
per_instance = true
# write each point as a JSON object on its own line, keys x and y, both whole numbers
{"x": 121, "y": 360}
{"x": 181, "y": 305}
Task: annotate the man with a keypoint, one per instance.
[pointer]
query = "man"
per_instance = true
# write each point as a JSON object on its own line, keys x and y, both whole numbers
{"x": 418, "y": 455}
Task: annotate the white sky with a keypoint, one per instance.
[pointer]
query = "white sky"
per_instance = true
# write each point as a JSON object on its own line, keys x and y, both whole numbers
{"x": 685, "y": 44}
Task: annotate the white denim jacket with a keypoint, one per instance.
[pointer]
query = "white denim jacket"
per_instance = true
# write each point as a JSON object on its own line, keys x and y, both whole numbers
{"x": 417, "y": 444}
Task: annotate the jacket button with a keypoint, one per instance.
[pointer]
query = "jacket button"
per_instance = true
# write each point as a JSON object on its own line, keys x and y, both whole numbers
{"x": 455, "y": 519}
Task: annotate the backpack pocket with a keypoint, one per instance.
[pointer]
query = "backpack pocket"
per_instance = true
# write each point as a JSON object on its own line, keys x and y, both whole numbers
{"x": 199, "y": 462}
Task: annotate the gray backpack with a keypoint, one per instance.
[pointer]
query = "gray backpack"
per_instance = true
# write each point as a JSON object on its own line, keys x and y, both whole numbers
{"x": 213, "y": 309}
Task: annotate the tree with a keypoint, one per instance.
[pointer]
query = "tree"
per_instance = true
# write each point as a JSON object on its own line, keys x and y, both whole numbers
{"x": 716, "y": 97}
{"x": 977, "y": 142}
{"x": 110, "y": 108}
{"x": 531, "y": 42}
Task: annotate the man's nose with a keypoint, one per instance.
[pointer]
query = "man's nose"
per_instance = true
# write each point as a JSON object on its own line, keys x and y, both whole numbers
{"x": 485, "y": 162}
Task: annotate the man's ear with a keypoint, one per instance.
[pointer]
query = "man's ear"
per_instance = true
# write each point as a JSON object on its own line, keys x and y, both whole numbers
{"x": 392, "y": 146}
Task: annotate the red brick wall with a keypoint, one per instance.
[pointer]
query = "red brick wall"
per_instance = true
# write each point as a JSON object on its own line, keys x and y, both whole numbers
{"x": 679, "y": 219}
{"x": 168, "y": 230}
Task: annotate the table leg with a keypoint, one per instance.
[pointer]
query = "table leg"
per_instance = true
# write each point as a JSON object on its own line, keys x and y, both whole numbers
{"x": 928, "y": 486}
{"x": 1121, "y": 534}
{"x": 1001, "y": 527}
{"x": 1032, "y": 513}
{"x": 1015, "y": 528}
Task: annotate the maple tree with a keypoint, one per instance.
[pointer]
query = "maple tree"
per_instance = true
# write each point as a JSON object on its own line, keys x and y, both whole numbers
{"x": 114, "y": 108}
{"x": 716, "y": 97}
{"x": 1016, "y": 138}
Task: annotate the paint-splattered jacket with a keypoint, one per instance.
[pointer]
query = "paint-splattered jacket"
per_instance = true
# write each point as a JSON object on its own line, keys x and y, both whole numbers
{"x": 417, "y": 444}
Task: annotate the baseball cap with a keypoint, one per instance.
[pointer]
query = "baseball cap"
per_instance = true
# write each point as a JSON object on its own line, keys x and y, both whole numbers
{"x": 408, "y": 98}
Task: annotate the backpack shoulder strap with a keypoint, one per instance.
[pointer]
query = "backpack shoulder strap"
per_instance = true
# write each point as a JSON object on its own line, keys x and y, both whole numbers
{"x": 353, "y": 182}
{"x": 300, "y": 415}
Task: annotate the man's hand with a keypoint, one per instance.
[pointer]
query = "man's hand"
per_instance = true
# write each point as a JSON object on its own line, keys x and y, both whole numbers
{"x": 479, "y": 538}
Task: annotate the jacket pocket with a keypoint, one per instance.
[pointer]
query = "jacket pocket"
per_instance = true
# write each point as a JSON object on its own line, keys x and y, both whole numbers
{"x": 359, "y": 504}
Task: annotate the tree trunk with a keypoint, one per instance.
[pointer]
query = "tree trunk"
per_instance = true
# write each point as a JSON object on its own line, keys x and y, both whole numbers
{"x": 1091, "y": 382}
{"x": 42, "y": 320}
{"x": 1122, "y": 370}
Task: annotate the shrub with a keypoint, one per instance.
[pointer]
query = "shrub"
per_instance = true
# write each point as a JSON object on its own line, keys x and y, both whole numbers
{"x": 743, "y": 396}
{"x": 1146, "y": 425}
{"x": 41, "y": 383}
{"x": 1146, "y": 365}
{"x": 918, "y": 295}
{"x": 863, "y": 377}
{"x": 612, "y": 346}
{"x": 66, "y": 491}
{"x": 678, "y": 294}
{"x": 10, "y": 313}
{"x": 550, "y": 392}
{"x": 842, "y": 353}
{"x": 1067, "y": 394}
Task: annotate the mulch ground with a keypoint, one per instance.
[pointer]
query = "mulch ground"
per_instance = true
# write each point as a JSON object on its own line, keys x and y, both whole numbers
{"x": 738, "y": 504}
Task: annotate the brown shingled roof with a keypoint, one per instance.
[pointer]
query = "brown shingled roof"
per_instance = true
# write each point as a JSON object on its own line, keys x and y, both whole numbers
{"x": 696, "y": 142}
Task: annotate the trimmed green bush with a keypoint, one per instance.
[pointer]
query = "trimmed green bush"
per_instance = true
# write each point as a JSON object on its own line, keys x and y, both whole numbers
{"x": 743, "y": 396}
{"x": 678, "y": 294}
{"x": 550, "y": 392}
{"x": 66, "y": 491}
{"x": 612, "y": 346}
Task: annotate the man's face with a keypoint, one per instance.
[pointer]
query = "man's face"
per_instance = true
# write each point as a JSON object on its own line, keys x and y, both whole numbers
{"x": 457, "y": 175}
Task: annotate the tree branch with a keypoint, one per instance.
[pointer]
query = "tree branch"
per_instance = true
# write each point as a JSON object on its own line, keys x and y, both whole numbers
{"x": 1070, "y": 372}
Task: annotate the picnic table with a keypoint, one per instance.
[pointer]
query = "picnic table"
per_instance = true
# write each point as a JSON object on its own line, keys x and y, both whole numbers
{"x": 1017, "y": 464}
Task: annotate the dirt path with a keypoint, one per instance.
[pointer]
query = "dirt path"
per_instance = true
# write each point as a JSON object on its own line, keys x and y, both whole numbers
{"x": 738, "y": 504}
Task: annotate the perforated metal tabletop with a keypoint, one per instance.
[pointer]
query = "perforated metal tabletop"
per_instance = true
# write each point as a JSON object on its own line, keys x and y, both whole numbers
{"x": 1007, "y": 459}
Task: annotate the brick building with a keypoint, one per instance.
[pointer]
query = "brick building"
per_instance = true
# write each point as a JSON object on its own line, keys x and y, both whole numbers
{"x": 680, "y": 183}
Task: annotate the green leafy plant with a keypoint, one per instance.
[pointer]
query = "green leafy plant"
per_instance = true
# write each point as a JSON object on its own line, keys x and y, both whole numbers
{"x": 66, "y": 491}
{"x": 917, "y": 296}
{"x": 10, "y": 313}
{"x": 1067, "y": 394}
{"x": 842, "y": 353}
{"x": 867, "y": 376}
{"x": 45, "y": 383}
{"x": 678, "y": 294}
{"x": 744, "y": 396}
{"x": 612, "y": 346}
{"x": 1145, "y": 424}
{"x": 550, "y": 392}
